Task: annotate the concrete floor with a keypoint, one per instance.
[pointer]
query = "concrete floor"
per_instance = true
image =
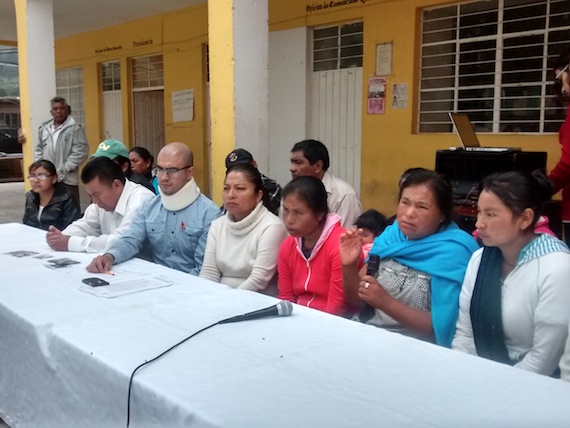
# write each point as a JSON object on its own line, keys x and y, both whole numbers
{"x": 12, "y": 201}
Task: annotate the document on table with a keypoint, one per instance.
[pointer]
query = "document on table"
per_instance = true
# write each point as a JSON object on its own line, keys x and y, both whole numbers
{"x": 126, "y": 278}
{"x": 131, "y": 277}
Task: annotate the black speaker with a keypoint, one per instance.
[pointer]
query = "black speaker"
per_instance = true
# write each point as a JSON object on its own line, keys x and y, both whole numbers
{"x": 465, "y": 169}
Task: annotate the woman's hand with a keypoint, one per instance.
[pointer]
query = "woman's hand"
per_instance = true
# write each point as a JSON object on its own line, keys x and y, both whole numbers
{"x": 350, "y": 247}
{"x": 373, "y": 293}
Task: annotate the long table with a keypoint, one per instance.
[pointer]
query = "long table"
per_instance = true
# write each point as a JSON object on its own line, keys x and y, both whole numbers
{"x": 66, "y": 357}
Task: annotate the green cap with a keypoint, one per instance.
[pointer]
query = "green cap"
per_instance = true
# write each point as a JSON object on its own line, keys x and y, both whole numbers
{"x": 111, "y": 149}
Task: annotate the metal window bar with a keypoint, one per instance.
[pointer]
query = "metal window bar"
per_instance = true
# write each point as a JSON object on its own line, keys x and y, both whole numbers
{"x": 433, "y": 76}
{"x": 336, "y": 46}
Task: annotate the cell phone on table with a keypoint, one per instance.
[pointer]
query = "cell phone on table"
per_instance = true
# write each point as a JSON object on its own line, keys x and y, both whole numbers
{"x": 95, "y": 282}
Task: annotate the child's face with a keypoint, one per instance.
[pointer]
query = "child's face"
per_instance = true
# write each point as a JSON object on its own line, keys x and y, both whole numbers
{"x": 367, "y": 236}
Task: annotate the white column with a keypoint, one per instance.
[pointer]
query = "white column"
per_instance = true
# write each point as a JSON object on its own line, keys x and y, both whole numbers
{"x": 239, "y": 83}
{"x": 36, "y": 55}
{"x": 251, "y": 35}
{"x": 289, "y": 91}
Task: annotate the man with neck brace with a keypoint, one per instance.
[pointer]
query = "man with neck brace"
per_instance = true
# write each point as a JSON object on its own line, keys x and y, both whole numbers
{"x": 176, "y": 224}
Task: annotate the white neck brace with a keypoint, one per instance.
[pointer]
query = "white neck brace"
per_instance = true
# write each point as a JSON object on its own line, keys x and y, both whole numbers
{"x": 181, "y": 199}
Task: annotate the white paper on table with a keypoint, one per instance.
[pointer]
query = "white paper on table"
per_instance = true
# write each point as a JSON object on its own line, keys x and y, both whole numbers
{"x": 126, "y": 278}
{"x": 118, "y": 288}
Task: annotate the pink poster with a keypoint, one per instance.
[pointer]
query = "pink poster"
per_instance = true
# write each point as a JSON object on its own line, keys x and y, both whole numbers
{"x": 376, "y": 95}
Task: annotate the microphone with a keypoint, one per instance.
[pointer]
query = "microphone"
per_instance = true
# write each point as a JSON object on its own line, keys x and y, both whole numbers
{"x": 281, "y": 309}
{"x": 367, "y": 311}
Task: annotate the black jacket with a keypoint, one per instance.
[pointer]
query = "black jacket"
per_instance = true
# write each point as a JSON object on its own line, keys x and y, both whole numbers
{"x": 60, "y": 212}
{"x": 143, "y": 180}
{"x": 273, "y": 194}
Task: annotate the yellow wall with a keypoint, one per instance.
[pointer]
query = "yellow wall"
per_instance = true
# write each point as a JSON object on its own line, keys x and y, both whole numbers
{"x": 389, "y": 145}
{"x": 181, "y": 38}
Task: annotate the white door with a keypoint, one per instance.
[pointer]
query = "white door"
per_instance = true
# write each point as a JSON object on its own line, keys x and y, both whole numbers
{"x": 148, "y": 102}
{"x": 148, "y": 107}
{"x": 336, "y": 120}
{"x": 336, "y": 97}
{"x": 112, "y": 106}
{"x": 113, "y": 115}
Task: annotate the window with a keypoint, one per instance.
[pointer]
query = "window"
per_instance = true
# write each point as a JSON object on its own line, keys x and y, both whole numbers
{"x": 492, "y": 60}
{"x": 9, "y": 120}
{"x": 69, "y": 85}
{"x": 111, "y": 76}
{"x": 338, "y": 47}
{"x": 147, "y": 72}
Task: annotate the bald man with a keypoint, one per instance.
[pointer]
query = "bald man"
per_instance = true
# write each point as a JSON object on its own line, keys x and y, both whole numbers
{"x": 176, "y": 224}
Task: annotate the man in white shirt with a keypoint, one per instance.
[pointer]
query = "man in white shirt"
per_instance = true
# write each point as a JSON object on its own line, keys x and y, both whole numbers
{"x": 114, "y": 203}
{"x": 311, "y": 157}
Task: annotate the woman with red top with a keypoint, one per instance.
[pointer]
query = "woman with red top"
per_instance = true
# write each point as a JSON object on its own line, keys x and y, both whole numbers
{"x": 309, "y": 266}
{"x": 560, "y": 175}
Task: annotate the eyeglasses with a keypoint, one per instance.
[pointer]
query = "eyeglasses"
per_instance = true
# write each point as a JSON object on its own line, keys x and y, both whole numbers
{"x": 40, "y": 177}
{"x": 158, "y": 170}
{"x": 559, "y": 75}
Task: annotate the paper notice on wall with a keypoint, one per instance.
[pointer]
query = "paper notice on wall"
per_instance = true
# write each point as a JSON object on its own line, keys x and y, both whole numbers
{"x": 400, "y": 96}
{"x": 376, "y": 95}
{"x": 384, "y": 59}
{"x": 183, "y": 105}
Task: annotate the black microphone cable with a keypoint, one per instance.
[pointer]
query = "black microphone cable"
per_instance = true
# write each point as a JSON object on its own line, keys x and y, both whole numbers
{"x": 286, "y": 309}
{"x": 156, "y": 358}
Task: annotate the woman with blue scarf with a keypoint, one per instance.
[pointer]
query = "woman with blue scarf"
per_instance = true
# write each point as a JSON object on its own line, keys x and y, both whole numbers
{"x": 423, "y": 257}
{"x": 515, "y": 300}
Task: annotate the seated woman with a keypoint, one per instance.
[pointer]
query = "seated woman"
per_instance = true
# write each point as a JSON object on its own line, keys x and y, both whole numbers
{"x": 423, "y": 257}
{"x": 142, "y": 163}
{"x": 242, "y": 246}
{"x": 48, "y": 203}
{"x": 309, "y": 263}
{"x": 515, "y": 300}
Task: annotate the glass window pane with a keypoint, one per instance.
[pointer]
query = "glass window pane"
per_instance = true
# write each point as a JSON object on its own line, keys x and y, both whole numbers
{"x": 325, "y": 43}
{"x": 322, "y": 55}
{"x": 325, "y": 65}
{"x": 351, "y": 62}
{"x": 356, "y": 27}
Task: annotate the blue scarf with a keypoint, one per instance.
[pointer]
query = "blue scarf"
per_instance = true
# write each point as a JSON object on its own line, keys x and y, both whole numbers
{"x": 444, "y": 256}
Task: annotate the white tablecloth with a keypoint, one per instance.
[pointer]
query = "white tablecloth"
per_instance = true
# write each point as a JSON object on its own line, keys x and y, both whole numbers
{"x": 66, "y": 357}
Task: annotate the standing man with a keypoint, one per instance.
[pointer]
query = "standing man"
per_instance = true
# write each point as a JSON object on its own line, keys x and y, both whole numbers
{"x": 63, "y": 142}
{"x": 176, "y": 224}
{"x": 311, "y": 157}
{"x": 242, "y": 156}
{"x": 115, "y": 201}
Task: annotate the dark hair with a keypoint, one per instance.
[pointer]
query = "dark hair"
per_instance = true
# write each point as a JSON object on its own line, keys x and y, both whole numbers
{"x": 144, "y": 154}
{"x": 372, "y": 220}
{"x": 562, "y": 61}
{"x": 409, "y": 172}
{"x": 311, "y": 191}
{"x": 45, "y": 164}
{"x": 520, "y": 190}
{"x": 59, "y": 100}
{"x": 252, "y": 175}
{"x": 439, "y": 185}
{"x": 121, "y": 160}
{"x": 104, "y": 169}
{"x": 314, "y": 151}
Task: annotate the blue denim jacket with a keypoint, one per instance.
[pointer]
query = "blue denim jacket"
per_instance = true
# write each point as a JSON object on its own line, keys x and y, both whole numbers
{"x": 177, "y": 238}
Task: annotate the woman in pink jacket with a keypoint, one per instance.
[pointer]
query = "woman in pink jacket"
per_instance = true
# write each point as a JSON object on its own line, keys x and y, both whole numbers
{"x": 310, "y": 272}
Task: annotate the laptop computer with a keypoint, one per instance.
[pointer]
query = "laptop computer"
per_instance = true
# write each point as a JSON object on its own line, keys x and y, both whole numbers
{"x": 468, "y": 137}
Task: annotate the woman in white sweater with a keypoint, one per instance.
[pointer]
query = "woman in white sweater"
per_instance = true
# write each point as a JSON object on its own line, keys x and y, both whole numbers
{"x": 243, "y": 245}
{"x": 514, "y": 305}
